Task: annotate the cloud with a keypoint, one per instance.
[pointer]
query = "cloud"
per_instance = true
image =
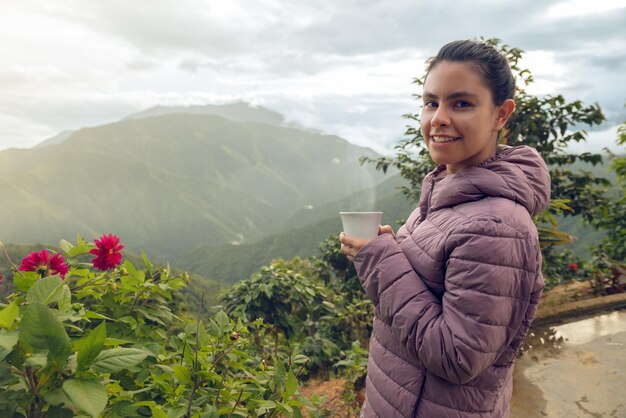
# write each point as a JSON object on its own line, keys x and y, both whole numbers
{"x": 340, "y": 67}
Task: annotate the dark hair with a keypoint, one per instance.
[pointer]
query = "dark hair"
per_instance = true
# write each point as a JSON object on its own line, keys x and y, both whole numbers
{"x": 491, "y": 64}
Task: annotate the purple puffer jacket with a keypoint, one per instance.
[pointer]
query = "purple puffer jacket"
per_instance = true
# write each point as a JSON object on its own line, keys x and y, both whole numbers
{"x": 455, "y": 291}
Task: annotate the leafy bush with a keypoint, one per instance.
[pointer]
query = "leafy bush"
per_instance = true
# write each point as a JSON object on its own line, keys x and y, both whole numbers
{"x": 107, "y": 343}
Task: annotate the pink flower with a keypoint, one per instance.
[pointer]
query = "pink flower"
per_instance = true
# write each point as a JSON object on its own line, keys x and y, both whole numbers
{"x": 41, "y": 262}
{"x": 1, "y": 278}
{"x": 107, "y": 254}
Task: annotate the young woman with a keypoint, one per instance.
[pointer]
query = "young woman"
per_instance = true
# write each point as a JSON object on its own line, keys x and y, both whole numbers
{"x": 456, "y": 289}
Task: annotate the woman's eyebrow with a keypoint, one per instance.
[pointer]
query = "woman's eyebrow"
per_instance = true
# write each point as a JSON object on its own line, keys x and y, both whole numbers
{"x": 455, "y": 95}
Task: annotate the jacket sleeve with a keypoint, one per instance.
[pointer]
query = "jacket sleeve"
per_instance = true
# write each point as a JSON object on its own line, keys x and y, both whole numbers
{"x": 490, "y": 275}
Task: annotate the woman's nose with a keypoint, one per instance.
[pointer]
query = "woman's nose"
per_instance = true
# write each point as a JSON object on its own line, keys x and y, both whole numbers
{"x": 440, "y": 117}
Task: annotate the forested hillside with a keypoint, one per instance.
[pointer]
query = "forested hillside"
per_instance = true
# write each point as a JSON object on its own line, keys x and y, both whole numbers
{"x": 169, "y": 183}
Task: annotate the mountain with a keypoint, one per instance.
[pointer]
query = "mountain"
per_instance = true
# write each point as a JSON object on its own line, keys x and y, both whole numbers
{"x": 57, "y": 139}
{"x": 229, "y": 263}
{"x": 237, "y": 112}
{"x": 167, "y": 184}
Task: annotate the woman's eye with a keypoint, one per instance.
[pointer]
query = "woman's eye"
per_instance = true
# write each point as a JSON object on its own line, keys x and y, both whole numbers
{"x": 462, "y": 104}
{"x": 430, "y": 103}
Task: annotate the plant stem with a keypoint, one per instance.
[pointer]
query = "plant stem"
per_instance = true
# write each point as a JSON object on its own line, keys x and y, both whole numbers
{"x": 217, "y": 398}
{"x": 195, "y": 366}
{"x": 6, "y": 254}
{"x": 237, "y": 402}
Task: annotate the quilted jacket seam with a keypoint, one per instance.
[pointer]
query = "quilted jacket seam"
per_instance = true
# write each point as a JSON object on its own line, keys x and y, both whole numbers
{"x": 405, "y": 303}
{"x": 457, "y": 409}
{"x": 396, "y": 355}
{"x": 472, "y": 347}
{"x": 505, "y": 182}
{"x": 393, "y": 380}
{"x": 465, "y": 289}
{"x": 474, "y": 317}
{"x": 423, "y": 249}
{"x": 490, "y": 264}
{"x": 382, "y": 396}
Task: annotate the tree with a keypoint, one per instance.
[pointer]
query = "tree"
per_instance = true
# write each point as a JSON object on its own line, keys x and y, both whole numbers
{"x": 610, "y": 217}
{"x": 280, "y": 295}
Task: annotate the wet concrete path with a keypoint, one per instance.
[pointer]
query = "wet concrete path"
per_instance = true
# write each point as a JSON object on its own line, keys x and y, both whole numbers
{"x": 577, "y": 369}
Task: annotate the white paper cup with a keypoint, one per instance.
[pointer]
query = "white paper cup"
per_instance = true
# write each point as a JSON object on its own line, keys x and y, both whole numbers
{"x": 363, "y": 225}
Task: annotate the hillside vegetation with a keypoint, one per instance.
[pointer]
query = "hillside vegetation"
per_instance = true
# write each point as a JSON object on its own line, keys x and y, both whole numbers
{"x": 169, "y": 183}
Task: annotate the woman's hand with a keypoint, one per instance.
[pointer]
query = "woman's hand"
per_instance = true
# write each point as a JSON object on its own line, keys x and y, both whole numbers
{"x": 351, "y": 246}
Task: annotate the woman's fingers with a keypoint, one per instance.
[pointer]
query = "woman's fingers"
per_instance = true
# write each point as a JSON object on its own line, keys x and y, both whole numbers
{"x": 350, "y": 246}
{"x": 386, "y": 229}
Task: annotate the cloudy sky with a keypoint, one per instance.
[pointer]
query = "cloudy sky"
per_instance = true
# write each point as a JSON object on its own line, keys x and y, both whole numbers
{"x": 343, "y": 67}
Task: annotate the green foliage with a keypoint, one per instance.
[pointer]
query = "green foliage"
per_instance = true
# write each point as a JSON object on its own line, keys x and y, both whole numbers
{"x": 610, "y": 216}
{"x": 107, "y": 344}
{"x": 354, "y": 368}
{"x": 562, "y": 267}
{"x": 353, "y": 311}
{"x": 281, "y": 297}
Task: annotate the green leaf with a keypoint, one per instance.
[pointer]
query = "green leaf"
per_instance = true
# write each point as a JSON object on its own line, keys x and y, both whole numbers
{"x": 81, "y": 247}
{"x": 65, "y": 301}
{"x": 96, "y": 315}
{"x": 265, "y": 407}
{"x": 8, "y": 315}
{"x": 23, "y": 280}
{"x": 37, "y": 360}
{"x": 291, "y": 384}
{"x": 182, "y": 374}
{"x": 59, "y": 412}
{"x": 41, "y": 330}
{"x": 146, "y": 261}
{"x": 87, "y": 395}
{"x": 300, "y": 359}
{"x": 8, "y": 340}
{"x": 222, "y": 321}
{"x": 90, "y": 346}
{"x": 157, "y": 412}
{"x": 47, "y": 290}
{"x": 119, "y": 358}
{"x": 66, "y": 246}
{"x": 115, "y": 342}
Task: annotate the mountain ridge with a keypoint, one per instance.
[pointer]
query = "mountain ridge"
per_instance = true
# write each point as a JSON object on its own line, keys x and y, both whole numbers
{"x": 174, "y": 181}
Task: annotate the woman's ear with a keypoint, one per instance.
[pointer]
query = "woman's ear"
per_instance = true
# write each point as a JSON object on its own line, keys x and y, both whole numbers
{"x": 504, "y": 113}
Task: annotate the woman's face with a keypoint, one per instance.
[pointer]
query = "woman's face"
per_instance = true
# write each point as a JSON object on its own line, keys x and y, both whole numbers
{"x": 459, "y": 121}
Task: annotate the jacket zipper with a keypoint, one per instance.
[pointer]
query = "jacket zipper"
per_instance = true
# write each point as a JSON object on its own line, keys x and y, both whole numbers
{"x": 430, "y": 194}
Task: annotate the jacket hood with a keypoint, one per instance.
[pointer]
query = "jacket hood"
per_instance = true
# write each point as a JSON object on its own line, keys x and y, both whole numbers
{"x": 515, "y": 173}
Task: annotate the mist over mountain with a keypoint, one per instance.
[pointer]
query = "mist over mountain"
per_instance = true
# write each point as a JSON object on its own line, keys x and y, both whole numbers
{"x": 57, "y": 139}
{"x": 237, "y": 112}
{"x": 301, "y": 235}
{"x": 167, "y": 184}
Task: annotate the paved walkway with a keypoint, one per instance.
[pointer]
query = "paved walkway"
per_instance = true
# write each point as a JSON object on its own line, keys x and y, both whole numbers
{"x": 574, "y": 370}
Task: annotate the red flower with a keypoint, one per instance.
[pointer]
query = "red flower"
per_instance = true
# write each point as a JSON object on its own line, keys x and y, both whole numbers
{"x": 1, "y": 278}
{"x": 41, "y": 262}
{"x": 573, "y": 266}
{"x": 108, "y": 252}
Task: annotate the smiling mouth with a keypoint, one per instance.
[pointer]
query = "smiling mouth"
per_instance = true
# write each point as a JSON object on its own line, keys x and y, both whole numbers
{"x": 443, "y": 139}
